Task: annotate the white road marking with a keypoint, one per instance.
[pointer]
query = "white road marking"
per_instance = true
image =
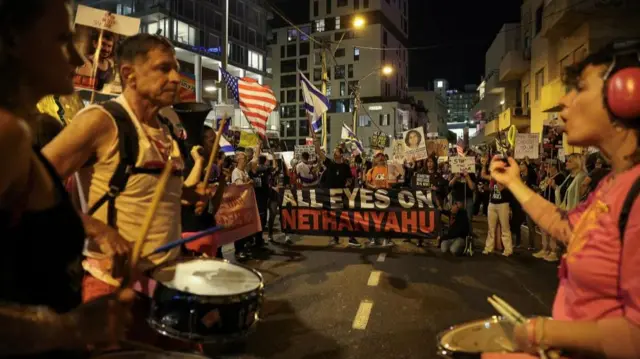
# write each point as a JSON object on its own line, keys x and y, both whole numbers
{"x": 362, "y": 316}
{"x": 382, "y": 257}
{"x": 374, "y": 278}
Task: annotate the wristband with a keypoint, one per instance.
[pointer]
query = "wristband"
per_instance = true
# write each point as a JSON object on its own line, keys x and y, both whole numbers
{"x": 540, "y": 334}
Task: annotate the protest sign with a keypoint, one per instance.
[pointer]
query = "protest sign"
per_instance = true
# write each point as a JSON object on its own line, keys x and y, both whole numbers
{"x": 359, "y": 212}
{"x": 438, "y": 148}
{"x": 415, "y": 144}
{"x": 461, "y": 164}
{"x": 421, "y": 181}
{"x": 379, "y": 140}
{"x": 310, "y": 149}
{"x": 97, "y": 29}
{"x": 187, "y": 90}
{"x": 238, "y": 212}
{"x": 527, "y": 145}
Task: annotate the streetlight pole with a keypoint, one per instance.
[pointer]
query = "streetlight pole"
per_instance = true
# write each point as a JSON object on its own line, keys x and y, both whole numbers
{"x": 225, "y": 48}
{"x": 325, "y": 78}
{"x": 356, "y": 106}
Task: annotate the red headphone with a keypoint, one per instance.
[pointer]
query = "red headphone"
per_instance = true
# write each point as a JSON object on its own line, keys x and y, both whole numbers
{"x": 622, "y": 81}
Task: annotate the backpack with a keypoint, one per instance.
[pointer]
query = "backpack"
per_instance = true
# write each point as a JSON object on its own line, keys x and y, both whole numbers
{"x": 128, "y": 148}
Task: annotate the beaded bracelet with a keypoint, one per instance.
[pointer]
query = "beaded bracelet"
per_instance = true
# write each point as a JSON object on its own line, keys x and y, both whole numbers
{"x": 531, "y": 332}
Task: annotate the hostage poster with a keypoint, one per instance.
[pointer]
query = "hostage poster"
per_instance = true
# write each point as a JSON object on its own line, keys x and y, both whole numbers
{"x": 98, "y": 28}
{"x": 359, "y": 212}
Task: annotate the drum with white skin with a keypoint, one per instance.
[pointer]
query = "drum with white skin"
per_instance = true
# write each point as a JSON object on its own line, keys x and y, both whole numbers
{"x": 205, "y": 300}
{"x": 472, "y": 339}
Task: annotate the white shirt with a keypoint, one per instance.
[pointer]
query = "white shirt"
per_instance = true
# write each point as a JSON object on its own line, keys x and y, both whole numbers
{"x": 303, "y": 171}
{"x": 239, "y": 176}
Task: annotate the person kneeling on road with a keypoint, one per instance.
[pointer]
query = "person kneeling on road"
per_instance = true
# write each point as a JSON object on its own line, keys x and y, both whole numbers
{"x": 454, "y": 240}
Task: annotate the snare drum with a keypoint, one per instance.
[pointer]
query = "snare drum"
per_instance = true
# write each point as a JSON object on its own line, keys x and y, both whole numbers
{"x": 139, "y": 354}
{"x": 470, "y": 340}
{"x": 205, "y": 300}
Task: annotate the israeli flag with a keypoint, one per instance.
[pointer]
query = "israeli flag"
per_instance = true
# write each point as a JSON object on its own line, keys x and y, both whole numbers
{"x": 314, "y": 102}
{"x": 350, "y": 137}
{"x": 226, "y": 147}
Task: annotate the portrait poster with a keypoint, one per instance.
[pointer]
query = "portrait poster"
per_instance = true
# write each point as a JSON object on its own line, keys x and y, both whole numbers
{"x": 415, "y": 144}
{"x": 397, "y": 151}
{"x": 90, "y": 23}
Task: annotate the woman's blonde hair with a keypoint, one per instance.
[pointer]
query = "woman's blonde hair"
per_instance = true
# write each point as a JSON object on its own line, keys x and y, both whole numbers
{"x": 579, "y": 159}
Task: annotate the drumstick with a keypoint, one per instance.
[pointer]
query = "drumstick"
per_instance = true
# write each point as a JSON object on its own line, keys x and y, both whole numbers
{"x": 214, "y": 150}
{"x": 169, "y": 246}
{"x": 146, "y": 225}
{"x": 506, "y": 305}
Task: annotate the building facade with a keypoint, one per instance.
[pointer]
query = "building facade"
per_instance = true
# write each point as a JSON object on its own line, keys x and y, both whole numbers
{"x": 356, "y": 56}
{"x": 196, "y": 28}
{"x": 436, "y": 110}
{"x": 556, "y": 34}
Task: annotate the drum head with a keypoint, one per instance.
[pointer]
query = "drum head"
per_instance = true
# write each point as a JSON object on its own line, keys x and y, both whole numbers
{"x": 493, "y": 335}
{"x": 208, "y": 277}
{"x": 138, "y": 354}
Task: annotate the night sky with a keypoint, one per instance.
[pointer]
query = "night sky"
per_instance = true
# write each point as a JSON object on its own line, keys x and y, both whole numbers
{"x": 456, "y": 32}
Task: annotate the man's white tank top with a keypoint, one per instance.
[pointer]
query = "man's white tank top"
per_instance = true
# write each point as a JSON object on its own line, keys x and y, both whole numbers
{"x": 132, "y": 204}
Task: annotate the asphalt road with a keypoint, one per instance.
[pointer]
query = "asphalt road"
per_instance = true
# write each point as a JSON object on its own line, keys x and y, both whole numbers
{"x": 398, "y": 299}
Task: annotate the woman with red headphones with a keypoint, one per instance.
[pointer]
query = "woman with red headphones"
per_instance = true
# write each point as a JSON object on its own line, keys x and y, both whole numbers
{"x": 597, "y": 307}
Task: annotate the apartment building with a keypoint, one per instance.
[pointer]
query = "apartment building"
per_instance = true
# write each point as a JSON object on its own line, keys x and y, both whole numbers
{"x": 435, "y": 106}
{"x": 556, "y": 34}
{"x": 500, "y": 103}
{"x": 356, "y": 56}
{"x": 196, "y": 28}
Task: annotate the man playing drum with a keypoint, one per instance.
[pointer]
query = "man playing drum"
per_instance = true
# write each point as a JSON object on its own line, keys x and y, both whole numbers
{"x": 149, "y": 69}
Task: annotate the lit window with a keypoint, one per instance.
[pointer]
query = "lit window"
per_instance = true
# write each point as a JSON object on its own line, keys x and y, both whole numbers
{"x": 337, "y": 22}
{"x": 255, "y": 60}
{"x": 356, "y": 54}
{"x": 320, "y": 25}
{"x": 440, "y": 84}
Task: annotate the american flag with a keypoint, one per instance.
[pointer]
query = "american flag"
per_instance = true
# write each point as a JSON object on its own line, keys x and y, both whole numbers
{"x": 256, "y": 101}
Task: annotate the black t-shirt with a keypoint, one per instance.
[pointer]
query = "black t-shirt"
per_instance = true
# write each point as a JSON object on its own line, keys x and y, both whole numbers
{"x": 335, "y": 174}
{"x": 262, "y": 180}
{"x": 496, "y": 196}
{"x": 460, "y": 188}
{"x": 596, "y": 176}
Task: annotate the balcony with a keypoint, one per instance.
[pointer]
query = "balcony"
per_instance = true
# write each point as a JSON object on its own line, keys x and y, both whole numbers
{"x": 550, "y": 95}
{"x": 561, "y": 17}
{"x": 516, "y": 116}
{"x": 513, "y": 66}
{"x": 492, "y": 83}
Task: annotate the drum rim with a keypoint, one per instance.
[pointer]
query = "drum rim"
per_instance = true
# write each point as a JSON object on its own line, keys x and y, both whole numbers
{"x": 493, "y": 319}
{"x": 259, "y": 288}
{"x": 205, "y": 339}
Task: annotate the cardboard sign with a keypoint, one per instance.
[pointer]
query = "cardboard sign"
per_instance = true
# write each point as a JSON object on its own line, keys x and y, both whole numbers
{"x": 527, "y": 145}
{"x": 460, "y": 164}
{"x": 415, "y": 144}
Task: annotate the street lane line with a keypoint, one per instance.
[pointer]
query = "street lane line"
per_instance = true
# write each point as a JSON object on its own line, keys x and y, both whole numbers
{"x": 374, "y": 278}
{"x": 382, "y": 257}
{"x": 362, "y": 316}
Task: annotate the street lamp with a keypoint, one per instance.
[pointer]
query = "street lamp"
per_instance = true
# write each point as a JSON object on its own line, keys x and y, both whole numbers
{"x": 358, "y": 22}
{"x": 385, "y": 70}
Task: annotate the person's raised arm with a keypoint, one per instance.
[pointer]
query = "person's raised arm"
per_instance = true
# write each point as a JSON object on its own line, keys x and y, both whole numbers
{"x": 319, "y": 153}
{"x": 550, "y": 218}
{"x": 91, "y": 132}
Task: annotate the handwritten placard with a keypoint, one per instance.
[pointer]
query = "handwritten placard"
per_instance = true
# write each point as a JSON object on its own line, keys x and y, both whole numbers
{"x": 527, "y": 145}
{"x": 461, "y": 164}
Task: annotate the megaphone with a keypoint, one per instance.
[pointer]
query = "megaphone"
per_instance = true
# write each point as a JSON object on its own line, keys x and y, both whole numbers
{"x": 192, "y": 116}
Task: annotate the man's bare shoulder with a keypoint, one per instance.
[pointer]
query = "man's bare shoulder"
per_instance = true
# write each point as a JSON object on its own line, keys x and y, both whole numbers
{"x": 94, "y": 117}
